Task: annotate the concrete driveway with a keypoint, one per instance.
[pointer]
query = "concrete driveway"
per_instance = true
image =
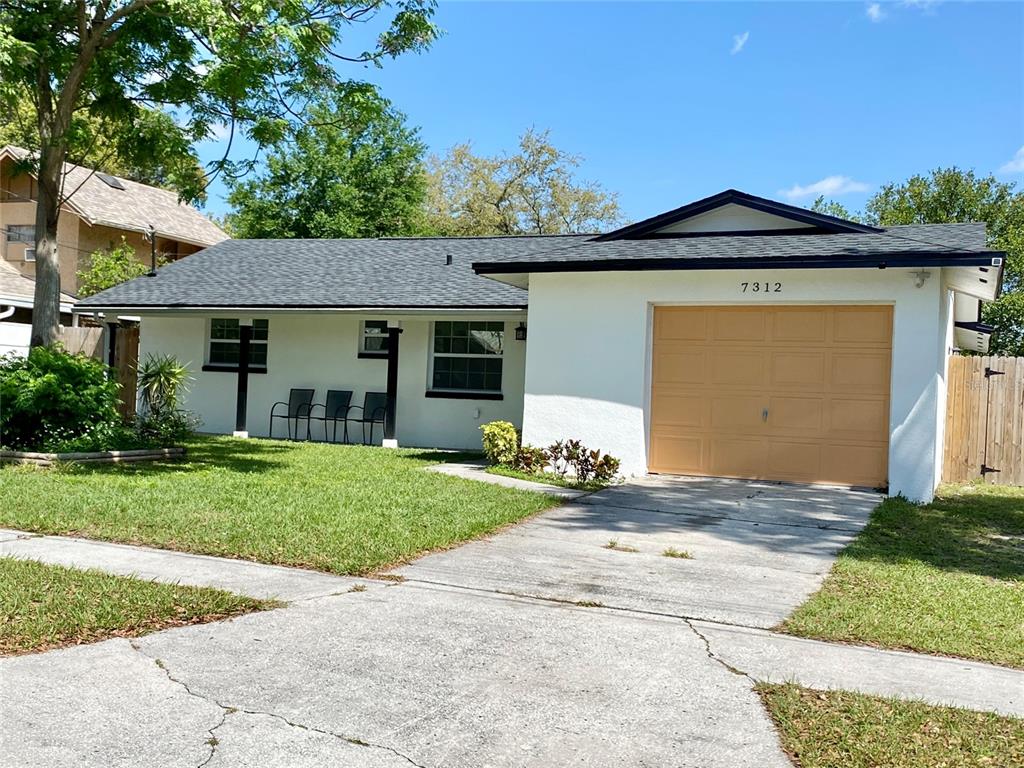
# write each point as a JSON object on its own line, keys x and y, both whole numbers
{"x": 480, "y": 658}
{"x": 758, "y": 549}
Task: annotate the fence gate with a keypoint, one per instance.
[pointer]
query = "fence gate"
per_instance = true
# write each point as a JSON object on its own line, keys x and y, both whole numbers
{"x": 125, "y": 362}
{"x": 985, "y": 420}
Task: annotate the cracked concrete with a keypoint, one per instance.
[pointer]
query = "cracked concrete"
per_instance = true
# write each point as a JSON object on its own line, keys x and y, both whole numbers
{"x": 451, "y": 668}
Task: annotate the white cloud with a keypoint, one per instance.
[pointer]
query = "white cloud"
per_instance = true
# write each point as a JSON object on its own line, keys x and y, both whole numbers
{"x": 738, "y": 41}
{"x": 875, "y": 12}
{"x": 218, "y": 132}
{"x": 1015, "y": 165}
{"x": 830, "y": 186}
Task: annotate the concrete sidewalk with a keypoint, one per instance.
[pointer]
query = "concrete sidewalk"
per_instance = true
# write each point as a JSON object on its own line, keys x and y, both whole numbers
{"x": 239, "y": 576}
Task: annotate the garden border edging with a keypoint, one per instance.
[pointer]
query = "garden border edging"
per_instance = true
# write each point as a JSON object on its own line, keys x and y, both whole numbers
{"x": 91, "y": 457}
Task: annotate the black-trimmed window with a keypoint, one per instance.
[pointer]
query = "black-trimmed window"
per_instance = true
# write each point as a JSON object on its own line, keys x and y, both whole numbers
{"x": 373, "y": 338}
{"x": 467, "y": 356}
{"x": 21, "y": 233}
{"x": 225, "y": 338}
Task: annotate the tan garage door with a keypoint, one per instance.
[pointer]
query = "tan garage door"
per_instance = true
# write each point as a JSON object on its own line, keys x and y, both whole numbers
{"x": 777, "y": 393}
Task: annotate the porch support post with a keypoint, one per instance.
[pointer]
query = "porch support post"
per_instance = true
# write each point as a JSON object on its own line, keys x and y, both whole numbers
{"x": 242, "y": 396}
{"x": 392, "y": 388}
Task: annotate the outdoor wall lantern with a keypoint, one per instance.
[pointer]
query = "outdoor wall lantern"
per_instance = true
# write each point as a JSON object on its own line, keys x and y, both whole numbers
{"x": 521, "y": 332}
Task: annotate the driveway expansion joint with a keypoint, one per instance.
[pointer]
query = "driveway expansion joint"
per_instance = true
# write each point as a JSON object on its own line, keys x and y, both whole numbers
{"x": 228, "y": 710}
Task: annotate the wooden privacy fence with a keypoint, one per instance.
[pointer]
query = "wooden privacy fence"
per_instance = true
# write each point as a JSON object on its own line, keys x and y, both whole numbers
{"x": 83, "y": 341}
{"x": 126, "y": 364}
{"x": 985, "y": 420}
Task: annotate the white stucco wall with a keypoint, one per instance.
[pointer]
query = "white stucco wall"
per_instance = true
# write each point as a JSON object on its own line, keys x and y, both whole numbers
{"x": 588, "y": 357}
{"x": 320, "y": 351}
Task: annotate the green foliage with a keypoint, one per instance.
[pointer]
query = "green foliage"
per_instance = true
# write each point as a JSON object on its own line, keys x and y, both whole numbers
{"x": 353, "y": 169}
{"x": 585, "y": 464}
{"x": 953, "y": 195}
{"x": 146, "y": 148}
{"x": 162, "y": 380}
{"x": 501, "y": 442}
{"x": 51, "y": 400}
{"x": 832, "y": 208}
{"x": 530, "y": 459}
{"x": 109, "y": 267}
{"x": 531, "y": 191}
{"x": 249, "y": 66}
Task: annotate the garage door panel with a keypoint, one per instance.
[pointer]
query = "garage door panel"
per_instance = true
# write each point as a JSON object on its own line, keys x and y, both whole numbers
{"x": 738, "y": 367}
{"x": 803, "y": 326}
{"x": 736, "y": 413}
{"x": 860, "y": 372}
{"x": 859, "y": 418}
{"x": 737, "y": 458}
{"x": 793, "y": 461}
{"x": 863, "y": 325}
{"x": 801, "y": 370}
{"x": 682, "y": 366}
{"x": 738, "y": 324}
{"x": 804, "y": 415}
{"x": 853, "y": 464}
{"x": 679, "y": 453}
{"x": 680, "y": 410}
{"x": 687, "y": 324}
{"x": 822, "y": 373}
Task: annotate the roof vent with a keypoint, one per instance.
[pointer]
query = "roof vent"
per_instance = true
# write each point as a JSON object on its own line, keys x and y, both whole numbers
{"x": 448, "y": 259}
{"x": 110, "y": 181}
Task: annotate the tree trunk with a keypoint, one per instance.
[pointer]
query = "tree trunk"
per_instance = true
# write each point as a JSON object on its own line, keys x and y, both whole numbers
{"x": 46, "y": 301}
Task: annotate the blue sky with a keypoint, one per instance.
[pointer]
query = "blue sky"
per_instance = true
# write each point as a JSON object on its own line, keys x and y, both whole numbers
{"x": 669, "y": 102}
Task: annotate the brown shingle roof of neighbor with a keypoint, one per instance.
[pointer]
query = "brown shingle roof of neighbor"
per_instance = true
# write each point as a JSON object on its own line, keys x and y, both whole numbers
{"x": 134, "y": 207}
{"x": 14, "y": 286}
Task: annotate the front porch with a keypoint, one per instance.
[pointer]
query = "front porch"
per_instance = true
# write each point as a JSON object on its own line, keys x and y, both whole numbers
{"x": 443, "y": 374}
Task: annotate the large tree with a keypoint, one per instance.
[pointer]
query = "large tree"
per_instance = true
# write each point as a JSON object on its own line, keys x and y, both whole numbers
{"x": 531, "y": 191}
{"x": 954, "y": 195}
{"x": 144, "y": 149}
{"x": 352, "y": 169}
{"x": 249, "y": 65}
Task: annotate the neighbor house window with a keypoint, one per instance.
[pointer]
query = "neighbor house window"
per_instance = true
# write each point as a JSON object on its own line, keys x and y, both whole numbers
{"x": 21, "y": 233}
{"x": 467, "y": 356}
{"x": 373, "y": 339}
{"x": 224, "y": 343}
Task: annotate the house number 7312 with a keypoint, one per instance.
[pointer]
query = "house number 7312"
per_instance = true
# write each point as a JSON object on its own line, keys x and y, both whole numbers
{"x": 761, "y": 287}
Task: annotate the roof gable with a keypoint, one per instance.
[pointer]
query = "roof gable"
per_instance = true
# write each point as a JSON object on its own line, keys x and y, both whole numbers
{"x": 734, "y": 213}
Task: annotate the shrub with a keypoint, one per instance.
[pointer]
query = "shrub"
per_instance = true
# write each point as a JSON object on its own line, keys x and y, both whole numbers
{"x": 162, "y": 380}
{"x": 51, "y": 399}
{"x": 501, "y": 442}
{"x": 531, "y": 459}
{"x": 585, "y": 464}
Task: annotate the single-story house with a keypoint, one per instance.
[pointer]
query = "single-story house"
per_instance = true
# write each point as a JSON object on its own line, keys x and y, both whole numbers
{"x": 734, "y": 336}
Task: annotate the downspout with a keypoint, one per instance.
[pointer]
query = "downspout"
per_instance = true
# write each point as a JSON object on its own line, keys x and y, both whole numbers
{"x": 5, "y": 313}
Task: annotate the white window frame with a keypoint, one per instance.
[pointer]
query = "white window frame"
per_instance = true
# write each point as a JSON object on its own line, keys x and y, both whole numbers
{"x": 234, "y": 366}
{"x": 30, "y": 254}
{"x": 432, "y": 355}
{"x": 363, "y": 336}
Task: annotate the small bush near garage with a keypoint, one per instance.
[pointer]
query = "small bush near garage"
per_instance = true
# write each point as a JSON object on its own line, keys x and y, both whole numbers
{"x": 566, "y": 462}
{"x": 55, "y": 402}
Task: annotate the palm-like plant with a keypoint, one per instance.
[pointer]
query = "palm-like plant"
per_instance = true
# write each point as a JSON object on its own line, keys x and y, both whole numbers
{"x": 162, "y": 379}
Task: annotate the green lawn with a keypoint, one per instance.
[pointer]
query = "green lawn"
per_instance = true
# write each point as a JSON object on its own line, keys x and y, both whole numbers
{"x": 944, "y": 578}
{"x": 345, "y": 509}
{"x": 46, "y": 606}
{"x": 837, "y": 729}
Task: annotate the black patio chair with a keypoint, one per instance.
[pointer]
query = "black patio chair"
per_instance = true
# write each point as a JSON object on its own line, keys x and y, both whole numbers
{"x": 335, "y": 410}
{"x": 372, "y": 412}
{"x": 298, "y": 406}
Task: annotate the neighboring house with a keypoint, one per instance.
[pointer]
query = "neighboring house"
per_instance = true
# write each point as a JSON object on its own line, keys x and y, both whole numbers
{"x": 16, "y": 309}
{"x": 100, "y": 211}
{"x": 734, "y": 336}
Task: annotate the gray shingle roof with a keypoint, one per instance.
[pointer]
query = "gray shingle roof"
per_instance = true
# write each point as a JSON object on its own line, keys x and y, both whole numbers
{"x": 135, "y": 207}
{"x": 894, "y": 241}
{"x": 387, "y": 272}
